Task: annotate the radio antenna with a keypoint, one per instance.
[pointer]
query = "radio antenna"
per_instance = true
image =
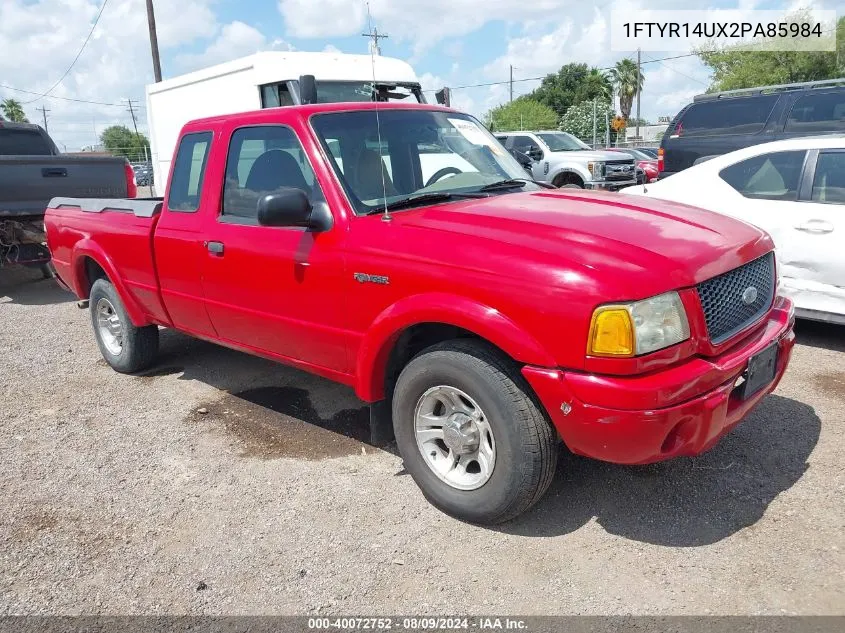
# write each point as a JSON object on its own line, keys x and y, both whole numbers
{"x": 386, "y": 215}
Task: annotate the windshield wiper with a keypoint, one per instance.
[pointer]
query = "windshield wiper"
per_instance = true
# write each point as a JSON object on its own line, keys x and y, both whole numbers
{"x": 424, "y": 198}
{"x": 514, "y": 182}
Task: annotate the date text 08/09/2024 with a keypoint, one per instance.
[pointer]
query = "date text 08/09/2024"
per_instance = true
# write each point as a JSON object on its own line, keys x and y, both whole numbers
{"x": 722, "y": 29}
{"x": 416, "y": 623}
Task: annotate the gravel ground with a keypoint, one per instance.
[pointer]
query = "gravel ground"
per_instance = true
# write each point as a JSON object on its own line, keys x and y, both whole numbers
{"x": 120, "y": 497}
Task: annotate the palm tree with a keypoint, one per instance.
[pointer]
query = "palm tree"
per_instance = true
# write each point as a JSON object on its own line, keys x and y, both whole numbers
{"x": 627, "y": 84}
{"x": 13, "y": 110}
{"x": 598, "y": 85}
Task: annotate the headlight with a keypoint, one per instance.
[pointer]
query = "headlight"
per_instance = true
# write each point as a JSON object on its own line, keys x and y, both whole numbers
{"x": 597, "y": 170}
{"x": 641, "y": 327}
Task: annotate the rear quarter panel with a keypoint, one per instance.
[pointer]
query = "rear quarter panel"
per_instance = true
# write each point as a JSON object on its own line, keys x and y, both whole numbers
{"x": 120, "y": 243}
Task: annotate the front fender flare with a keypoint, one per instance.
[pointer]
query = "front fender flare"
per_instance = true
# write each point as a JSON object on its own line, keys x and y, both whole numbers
{"x": 482, "y": 320}
{"x": 88, "y": 248}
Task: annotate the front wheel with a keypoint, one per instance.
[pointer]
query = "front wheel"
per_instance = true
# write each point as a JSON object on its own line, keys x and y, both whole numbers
{"x": 469, "y": 433}
{"x": 124, "y": 346}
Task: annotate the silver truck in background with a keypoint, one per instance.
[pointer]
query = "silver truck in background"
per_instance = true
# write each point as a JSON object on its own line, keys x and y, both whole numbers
{"x": 32, "y": 171}
{"x": 562, "y": 160}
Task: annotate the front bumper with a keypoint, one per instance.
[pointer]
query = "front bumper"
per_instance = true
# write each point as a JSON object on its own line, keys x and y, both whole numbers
{"x": 610, "y": 185}
{"x": 650, "y": 418}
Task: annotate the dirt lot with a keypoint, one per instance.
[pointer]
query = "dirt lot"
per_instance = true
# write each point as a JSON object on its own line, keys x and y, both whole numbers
{"x": 120, "y": 497}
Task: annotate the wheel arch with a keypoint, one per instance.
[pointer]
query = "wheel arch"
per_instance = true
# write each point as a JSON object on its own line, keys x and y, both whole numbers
{"x": 414, "y": 323}
{"x": 568, "y": 174}
{"x": 90, "y": 262}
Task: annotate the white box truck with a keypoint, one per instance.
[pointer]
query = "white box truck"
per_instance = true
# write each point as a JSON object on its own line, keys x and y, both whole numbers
{"x": 267, "y": 80}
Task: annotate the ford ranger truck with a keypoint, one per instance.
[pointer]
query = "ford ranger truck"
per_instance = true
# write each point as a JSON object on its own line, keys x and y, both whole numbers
{"x": 401, "y": 250}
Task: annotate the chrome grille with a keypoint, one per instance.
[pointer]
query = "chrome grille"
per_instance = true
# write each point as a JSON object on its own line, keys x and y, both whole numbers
{"x": 728, "y": 302}
{"x": 619, "y": 170}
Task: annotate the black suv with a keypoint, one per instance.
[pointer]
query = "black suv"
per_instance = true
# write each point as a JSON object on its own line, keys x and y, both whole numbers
{"x": 722, "y": 122}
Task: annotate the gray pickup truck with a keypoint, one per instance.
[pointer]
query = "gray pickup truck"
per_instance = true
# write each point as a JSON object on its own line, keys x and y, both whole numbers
{"x": 32, "y": 171}
{"x": 562, "y": 160}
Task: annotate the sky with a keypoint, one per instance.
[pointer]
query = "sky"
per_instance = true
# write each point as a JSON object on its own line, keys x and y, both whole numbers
{"x": 448, "y": 42}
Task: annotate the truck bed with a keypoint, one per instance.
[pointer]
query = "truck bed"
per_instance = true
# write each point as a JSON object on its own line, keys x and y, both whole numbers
{"x": 119, "y": 232}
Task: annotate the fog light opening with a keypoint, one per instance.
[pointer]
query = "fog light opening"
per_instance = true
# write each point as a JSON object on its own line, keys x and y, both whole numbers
{"x": 680, "y": 435}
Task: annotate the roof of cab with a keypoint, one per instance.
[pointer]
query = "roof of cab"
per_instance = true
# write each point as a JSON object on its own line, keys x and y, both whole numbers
{"x": 270, "y": 114}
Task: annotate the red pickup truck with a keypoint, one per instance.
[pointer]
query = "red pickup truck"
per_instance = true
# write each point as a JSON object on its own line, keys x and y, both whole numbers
{"x": 401, "y": 250}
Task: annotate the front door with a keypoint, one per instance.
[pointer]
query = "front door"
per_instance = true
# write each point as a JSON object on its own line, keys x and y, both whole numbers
{"x": 273, "y": 289}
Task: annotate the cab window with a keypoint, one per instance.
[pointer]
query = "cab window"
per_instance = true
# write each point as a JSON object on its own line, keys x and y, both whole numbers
{"x": 829, "y": 181}
{"x": 261, "y": 160}
{"x": 188, "y": 172}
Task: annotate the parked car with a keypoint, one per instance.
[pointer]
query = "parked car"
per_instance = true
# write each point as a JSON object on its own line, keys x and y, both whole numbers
{"x": 485, "y": 314}
{"x": 644, "y": 161}
{"x": 651, "y": 151}
{"x": 721, "y": 122}
{"x": 32, "y": 171}
{"x": 793, "y": 189}
{"x": 563, "y": 160}
{"x": 143, "y": 174}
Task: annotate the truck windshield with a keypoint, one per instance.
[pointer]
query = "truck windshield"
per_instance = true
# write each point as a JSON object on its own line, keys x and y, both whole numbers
{"x": 562, "y": 142}
{"x": 408, "y": 153}
{"x": 23, "y": 143}
{"x": 343, "y": 91}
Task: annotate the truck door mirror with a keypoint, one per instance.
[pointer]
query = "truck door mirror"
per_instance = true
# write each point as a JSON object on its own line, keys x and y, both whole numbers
{"x": 307, "y": 89}
{"x": 285, "y": 207}
{"x": 521, "y": 158}
{"x": 535, "y": 153}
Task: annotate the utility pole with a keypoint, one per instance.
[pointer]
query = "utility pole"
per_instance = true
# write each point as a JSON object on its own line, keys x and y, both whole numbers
{"x": 639, "y": 82}
{"x": 44, "y": 112}
{"x": 375, "y": 36}
{"x": 151, "y": 22}
{"x": 135, "y": 125}
{"x": 511, "y": 82}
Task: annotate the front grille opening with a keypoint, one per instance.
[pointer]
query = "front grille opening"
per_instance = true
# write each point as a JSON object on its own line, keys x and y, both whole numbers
{"x": 725, "y": 299}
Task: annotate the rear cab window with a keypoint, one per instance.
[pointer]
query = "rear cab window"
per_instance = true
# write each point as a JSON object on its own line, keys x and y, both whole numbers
{"x": 774, "y": 176}
{"x": 188, "y": 172}
{"x": 23, "y": 143}
{"x": 263, "y": 159}
{"x": 740, "y": 115}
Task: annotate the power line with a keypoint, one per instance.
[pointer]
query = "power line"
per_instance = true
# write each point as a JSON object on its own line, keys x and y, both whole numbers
{"x": 75, "y": 59}
{"x": 675, "y": 70}
{"x": 507, "y": 81}
{"x": 117, "y": 105}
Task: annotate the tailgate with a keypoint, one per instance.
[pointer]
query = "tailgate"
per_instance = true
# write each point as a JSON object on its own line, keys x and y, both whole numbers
{"x": 27, "y": 183}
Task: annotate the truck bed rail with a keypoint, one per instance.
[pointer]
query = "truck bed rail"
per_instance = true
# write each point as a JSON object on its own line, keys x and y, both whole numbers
{"x": 140, "y": 207}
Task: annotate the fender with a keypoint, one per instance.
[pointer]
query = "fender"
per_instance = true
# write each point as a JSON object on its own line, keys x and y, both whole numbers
{"x": 435, "y": 307}
{"x": 583, "y": 174}
{"x": 88, "y": 248}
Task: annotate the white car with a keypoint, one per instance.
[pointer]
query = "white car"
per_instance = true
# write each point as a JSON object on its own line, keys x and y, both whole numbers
{"x": 794, "y": 190}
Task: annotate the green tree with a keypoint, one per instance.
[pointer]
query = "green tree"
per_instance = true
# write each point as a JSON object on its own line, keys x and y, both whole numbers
{"x": 13, "y": 110}
{"x": 121, "y": 141}
{"x": 736, "y": 67}
{"x": 578, "y": 120}
{"x": 572, "y": 84}
{"x": 627, "y": 82}
{"x": 521, "y": 114}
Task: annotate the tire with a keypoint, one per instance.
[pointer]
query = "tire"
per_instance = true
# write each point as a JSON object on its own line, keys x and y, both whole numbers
{"x": 525, "y": 444}
{"x": 138, "y": 346}
{"x": 570, "y": 186}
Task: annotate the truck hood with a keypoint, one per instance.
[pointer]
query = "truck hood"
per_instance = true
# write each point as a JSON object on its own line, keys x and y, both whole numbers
{"x": 594, "y": 155}
{"x": 632, "y": 247}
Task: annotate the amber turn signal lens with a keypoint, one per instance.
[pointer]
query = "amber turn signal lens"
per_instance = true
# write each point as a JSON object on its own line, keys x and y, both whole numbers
{"x": 611, "y": 332}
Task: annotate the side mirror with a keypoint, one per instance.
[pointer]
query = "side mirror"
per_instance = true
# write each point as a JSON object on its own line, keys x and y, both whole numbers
{"x": 285, "y": 207}
{"x": 522, "y": 159}
{"x": 535, "y": 153}
{"x": 307, "y": 89}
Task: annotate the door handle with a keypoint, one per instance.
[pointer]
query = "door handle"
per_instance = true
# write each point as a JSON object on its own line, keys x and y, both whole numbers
{"x": 53, "y": 172}
{"x": 215, "y": 248}
{"x": 815, "y": 226}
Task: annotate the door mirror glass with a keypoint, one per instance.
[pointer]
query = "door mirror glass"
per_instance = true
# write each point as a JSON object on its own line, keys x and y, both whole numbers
{"x": 285, "y": 207}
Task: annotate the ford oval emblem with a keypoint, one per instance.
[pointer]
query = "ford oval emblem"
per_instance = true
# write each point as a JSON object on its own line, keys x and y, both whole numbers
{"x": 749, "y": 295}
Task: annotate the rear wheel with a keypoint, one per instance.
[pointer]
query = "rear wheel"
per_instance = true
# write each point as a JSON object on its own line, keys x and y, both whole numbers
{"x": 471, "y": 436}
{"x": 124, "y": 346}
